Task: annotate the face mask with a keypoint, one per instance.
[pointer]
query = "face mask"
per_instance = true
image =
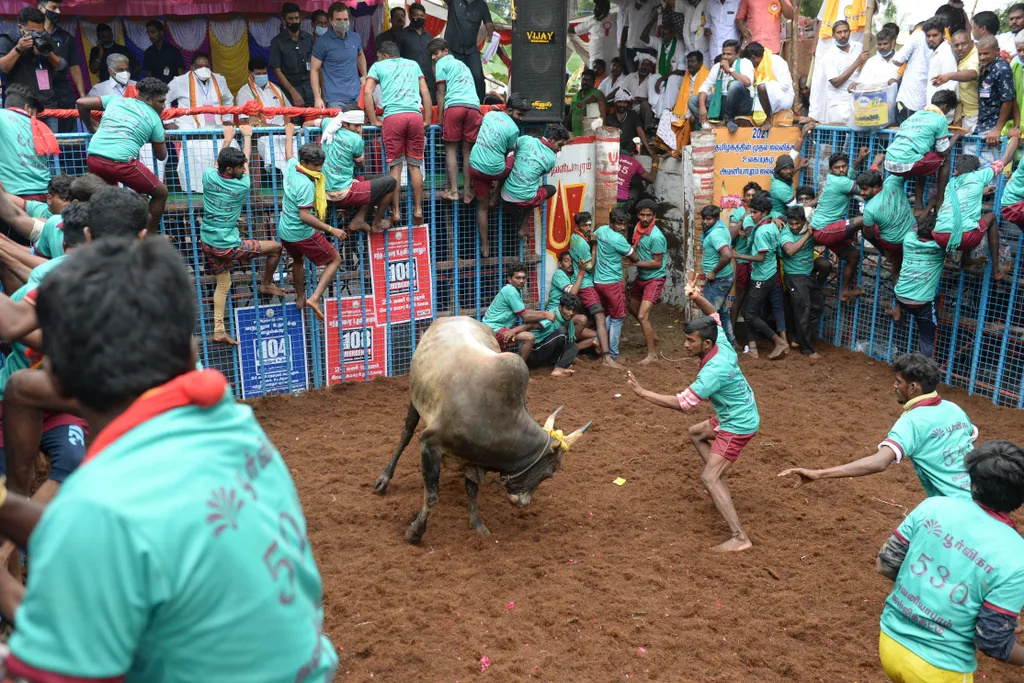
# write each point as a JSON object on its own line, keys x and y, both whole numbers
{"x": 202, "y": 73}
{"x": 122, "y": 77}
{"x": 843, "y": 43}
{"x": 261, "y": 80}
{"x": 417, "y": 23}
{"x": 341, "y": 27}
{"x": 52, "y": 17}
{"x": 294, "y": 28}
{"x": 886, "y": 55}
{"x": 320, "y": 30}
{"x": 107, "y": 46}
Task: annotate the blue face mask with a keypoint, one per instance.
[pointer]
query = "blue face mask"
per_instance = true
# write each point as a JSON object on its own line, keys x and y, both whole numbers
{"x": 261, "y": 80}
{"x": 843, "y": 43}
{"x": 886, "y": 55}
{"x": 320, "y": 30}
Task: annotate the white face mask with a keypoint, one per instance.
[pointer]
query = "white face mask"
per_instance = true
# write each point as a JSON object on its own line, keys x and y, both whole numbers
{"x": 202, "y": 74}
{"x": 122, "y": 77}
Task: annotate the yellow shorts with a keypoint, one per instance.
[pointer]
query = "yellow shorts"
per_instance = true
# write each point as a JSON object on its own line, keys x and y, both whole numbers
{"x": 903, "y": 666}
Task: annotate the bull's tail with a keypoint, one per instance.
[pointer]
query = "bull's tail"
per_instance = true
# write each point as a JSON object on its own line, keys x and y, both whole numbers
{"x": 412, "y": 419}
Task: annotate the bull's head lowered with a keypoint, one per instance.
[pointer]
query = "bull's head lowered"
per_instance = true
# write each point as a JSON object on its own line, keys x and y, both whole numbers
{"x": 520, "y": 485}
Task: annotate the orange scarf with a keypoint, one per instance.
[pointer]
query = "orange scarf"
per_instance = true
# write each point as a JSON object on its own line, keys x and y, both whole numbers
{"x": 42, "y": 137}
{"x": 192, "y": 80}
{"x": 132, "y": 92}
{"x": 640, "y": 231}
{"x": 256, "y": 94}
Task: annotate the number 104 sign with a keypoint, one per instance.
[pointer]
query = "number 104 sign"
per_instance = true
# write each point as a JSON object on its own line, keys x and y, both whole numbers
{"x": 400, "y": 268}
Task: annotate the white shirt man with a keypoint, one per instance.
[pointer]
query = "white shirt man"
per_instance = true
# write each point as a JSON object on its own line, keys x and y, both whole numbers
{"x": 839, "y": 102}
{"x": 609, "y": 84}
{"x": 819, "y": 86}
{"x": 1006, "y": 43}
{"x": 740, "y": 66}
{"x": 666, "y": 97}
{"x": 693, "y": 37}
{"x": 941, "y": 61}
{"x": 634, "y": 15}
{"x": 602, "y": 37}
{"x": 271, "y": 96}
{"x": 780, "y": 91}
{"x": 199, "y": 153}
{"x": 915, "y": 54}
{"x": 721, "y": 20}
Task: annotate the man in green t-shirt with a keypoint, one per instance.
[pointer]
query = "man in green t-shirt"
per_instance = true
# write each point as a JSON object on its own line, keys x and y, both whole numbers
{"x": 610, "y": 247}
{"x": 717, "y": 258}
{"x": 765, "y": 260}
{"x": 567, "y": 279}
{"x": 553, "y": 343}
{"x": 958, "y": 570}
{"x": 459, "y": 108}
{"x": 180, "y": 461}
{"x": 583, "y": 261}
{"x": 127, "y": 125}
{"x": 720, "y": 440}
{"x": 934, "y": 433}
{"x": 741, "y": 228}
{"x": 225, "y": 192}
{"x": 651, "y": 267}
{"x": 535, "y": 158}
{"x": 586, "y": 95}
{"x": 25, "y": 142}
{"x": 58, "y": 195}
{"x": 805, "y": 293}
{"x": 506, "y": 307}
{"x": 829, "y": 223}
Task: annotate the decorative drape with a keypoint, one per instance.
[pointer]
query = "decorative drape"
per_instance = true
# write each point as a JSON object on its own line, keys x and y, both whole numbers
{"x": 264, "y": 31}
{"x": 135, "y": 31}
{"x": 229, "y": 45}
{"x": 189, "y": 34}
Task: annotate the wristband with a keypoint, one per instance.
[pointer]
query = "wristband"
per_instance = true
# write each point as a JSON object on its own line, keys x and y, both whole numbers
{"x": 874, "y": 167}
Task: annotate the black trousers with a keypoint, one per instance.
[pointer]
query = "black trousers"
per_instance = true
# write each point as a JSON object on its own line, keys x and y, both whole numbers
{"x": 472, "y": 60}
{"x": 808, "y": 301}
{"x": 924, "y": 315}
{"x": 380, "y": 186}
{"x": 555, "y": 351}
{"x": 753, "y": 309}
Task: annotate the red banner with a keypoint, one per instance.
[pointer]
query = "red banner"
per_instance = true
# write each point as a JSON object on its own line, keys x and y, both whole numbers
{"x": 401, "y": 275}
{"x": 362, "y": 344}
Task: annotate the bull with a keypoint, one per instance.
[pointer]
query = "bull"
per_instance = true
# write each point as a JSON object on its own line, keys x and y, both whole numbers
{"x": 472, "y": 399}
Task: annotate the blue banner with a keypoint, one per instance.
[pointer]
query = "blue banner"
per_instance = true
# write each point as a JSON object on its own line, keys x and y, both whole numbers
{"x": 270, "y": 361}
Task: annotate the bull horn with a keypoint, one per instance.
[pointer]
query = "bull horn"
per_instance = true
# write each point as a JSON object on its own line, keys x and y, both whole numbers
{"x": 578, "y": 434}
{"x": 550, "y": 422}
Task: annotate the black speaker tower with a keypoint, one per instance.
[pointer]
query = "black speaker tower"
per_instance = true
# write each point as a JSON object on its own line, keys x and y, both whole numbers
{"x": 538, "y": 57}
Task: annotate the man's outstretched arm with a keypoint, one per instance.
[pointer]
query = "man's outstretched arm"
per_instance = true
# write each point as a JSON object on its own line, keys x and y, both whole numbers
{"x": 872, "y": 464}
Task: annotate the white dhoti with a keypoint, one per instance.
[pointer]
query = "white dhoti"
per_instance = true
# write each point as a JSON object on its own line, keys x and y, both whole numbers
{"x": 669, "y": 93}
{"x": 197, "y": 155}
{"x": 158, "y": 167}
{"x": 779, "y": 97}
{"x": 271, "y": 149}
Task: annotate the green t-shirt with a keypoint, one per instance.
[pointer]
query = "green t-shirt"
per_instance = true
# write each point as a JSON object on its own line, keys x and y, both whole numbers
{"x": 340, "y": 164}
{"x": 497, "y": 137}
{"x": 712, "y": 240}
{"x": 21, "y": 169}
{"x": 126, "y": 126}
{"x": 299, "y": 193}
{"x": 961, "y": 207}
{"x": 655, "y": 243}
{"x": 960, "y": 558}
{"x": 560, "y": 282}
{"x": 534, "y": 160}
{"x": 721, "y": 381}
{"x": 890, "y": 210}
{"x": 916, "y": 137}
{"x": 506, "y": 307}
{"x": 782, "y": 194}
{"x": 459, "y": 86}
{"x": 50, "y": 243}
{"x": 743, "y": 243}
{"x": 833, "y": 202}
{"x": 579, "y": 110}
{"x": 399, "y": 81}
{"x": 223, "y": 199}
{"x": 802, "y": 262}
{"x": 766, "y": 241}
{"x": 921, "y": 271}
{"x": 40, "y": 210}
{"x": 19, "y": 357}
{"x": 579, "y": 249}
{"x": 611, "y": 248}
{"x": 1014, "y": 190}
{"x": 936, "y": 435}
{"x": 548, "y": 327}
{"x": 197, "y": 524}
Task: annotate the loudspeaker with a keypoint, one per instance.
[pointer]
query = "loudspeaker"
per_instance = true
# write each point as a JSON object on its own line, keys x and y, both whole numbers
{"x": 539, "y": 37}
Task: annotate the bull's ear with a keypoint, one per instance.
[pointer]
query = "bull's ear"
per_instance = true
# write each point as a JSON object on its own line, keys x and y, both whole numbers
{"x": 578, "y": 434}
{"x": 549, "y": 424}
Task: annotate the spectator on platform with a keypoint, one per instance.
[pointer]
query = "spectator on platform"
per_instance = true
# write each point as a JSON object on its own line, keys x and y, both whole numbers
{"x": 682, "y": 119}
{"x": 773, "y": 84}
{"x": 623, "y": 117}
{"x": 24, "y": 168}
{"x": 120, "y": 78}
{"x": 761, "y": 22}
{"x": 727, "y": 91}
{"x": 942, "y": 60}
{"x": 879, "y": 68}
{"x": 914, "y": 57}
{"x": 320, "y": 21}
{"x": 465, "y": 17}
{"x": 636, "y": 85}
{"x": 721, "y": 24}
{"x": 398, "y": 22}
{"x": 259, "y": 88}
{"x": 966, "y": 76}
{"x": 412, "y": 44}
{"x": 600, "y": 71}
{"x": 66, "y": 48}
{"x": 985, "y": 24}
{"x": 1017, "y": 69}
{"x": 849, "y": 12}
{"x": 668, "y": 76}
{"x": 585, "y": 96}
{"x": 106, "y": 46}
{"x": 634, "y": 15}
{"x": 601, "y": 31}
{"x": 290, "y": 52}
{"x": 996, "y": 93}
{"x": 28, "y": 58}
{"x": 610, "y": 85}
{"x": 338, "y": 56}
{"x": 161, "y": 59}
{"x": 1015, "y": 18}
{"x": 459, "y": 108}
{"x": 200, "y": 87}
{"x": 839, "y": 66}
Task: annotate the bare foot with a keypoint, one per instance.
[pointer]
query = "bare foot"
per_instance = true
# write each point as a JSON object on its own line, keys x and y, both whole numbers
{"x": 752, "y": 351}
{"x": 1000, "y": 272}
{"x": 450, "y": 195}
{"x": 779, "y": 350}
{"x": 562, "y": 372}
{"x": 417, "y": 218}
{"x": 814, "y": 356}
{"x": 851, "y": 293}
{"x": 613, "y": 364}
{"x": 224, "y": 338}
{"x": 314, "y": 306}
{"x": 362, "y": 226}
{"x": 974, "y": 262}
{"x": 485, "y": 250}
{"x": 468, "y": 196}
{"x": 271, "y": 290}
{"x": 381, "y": 225}
{"x": 767, "y": 125}
{"x": 651, "y": 358}
{"x": 896, "y": 312}
{"x": 794, "y": 345}
{"x": 396, "y": 218}
{"x": 524, "y": 232}
{"x": 734, "y": 545}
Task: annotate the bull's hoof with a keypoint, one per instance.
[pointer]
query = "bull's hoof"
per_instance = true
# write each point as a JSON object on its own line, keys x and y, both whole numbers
{"x": 381, "y": 485}
{"x": 481, "y": 529}
{"x": 413, "y": 536}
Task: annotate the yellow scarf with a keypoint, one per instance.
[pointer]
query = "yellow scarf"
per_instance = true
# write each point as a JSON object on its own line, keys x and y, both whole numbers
{"x": 320, "y": 191}
{"x": 192, "y": 80}
{"x": 682, "y": 101}
{"x": 764, "y": 72}
{"x": 855, "y": 16}
{"x": 923, "y": 397}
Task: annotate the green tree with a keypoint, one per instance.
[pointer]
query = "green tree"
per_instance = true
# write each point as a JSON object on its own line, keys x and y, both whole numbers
{"x": 809, "y": 8}
{"x": 889, "y": 14}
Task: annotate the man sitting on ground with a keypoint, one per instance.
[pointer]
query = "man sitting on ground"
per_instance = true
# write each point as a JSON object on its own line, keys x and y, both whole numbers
{"x": 553, "y": 341}
{"x": 508, "y": 305}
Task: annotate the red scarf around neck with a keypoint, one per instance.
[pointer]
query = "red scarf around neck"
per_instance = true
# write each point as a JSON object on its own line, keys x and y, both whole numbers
{"x": 640, "y": 232}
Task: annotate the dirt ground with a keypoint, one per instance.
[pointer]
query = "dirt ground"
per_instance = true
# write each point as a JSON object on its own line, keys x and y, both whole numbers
{"x": 598, "y": 582}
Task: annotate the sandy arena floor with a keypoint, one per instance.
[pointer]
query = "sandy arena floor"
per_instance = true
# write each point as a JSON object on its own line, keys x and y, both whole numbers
{"x": 597, "y": 582}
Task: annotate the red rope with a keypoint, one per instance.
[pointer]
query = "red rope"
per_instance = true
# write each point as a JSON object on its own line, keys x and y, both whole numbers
{"x": 250, "y": 109}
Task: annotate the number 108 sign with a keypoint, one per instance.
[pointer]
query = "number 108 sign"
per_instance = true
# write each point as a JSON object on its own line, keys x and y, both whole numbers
{"x": 357, "y": 349}
{"x": 401, "y": 275}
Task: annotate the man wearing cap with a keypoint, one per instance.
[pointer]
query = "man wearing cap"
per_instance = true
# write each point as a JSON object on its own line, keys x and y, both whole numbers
{"x": 636, "y": 86}
{"x": 343, "y": 148}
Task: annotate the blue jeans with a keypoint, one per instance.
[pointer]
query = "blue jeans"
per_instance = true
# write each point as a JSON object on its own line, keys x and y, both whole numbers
{"x": 924, "y": 316}
{"x": 614, "y": 332}
{"x": 717, "y": 292}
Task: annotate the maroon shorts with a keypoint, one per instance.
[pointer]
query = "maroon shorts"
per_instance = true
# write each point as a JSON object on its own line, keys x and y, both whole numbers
{"x": 875, "y": 233}
{"x": 403, "y": 139}
{"x": 742, "y": 271}
{"x": 926, "y": 165}
{"x": 501, "y": 340}
{"x": 220, "y": 260}
{"x": 968, "y": 240}
{"x": 543, "y": 194}
{"x": 647, "y": 290}
{"x": 316, "y": 248}
{"x": 833, "y": 236}
{"x": 613, "y": 299}
{"x": 591, "y": 300}
{"x": 132, "y": 174}
{"x": 358, "y": 195}
{"x": 727, "y": 444}
{"x": 482, "y": 182}
{"x": 461, "y": 124}
{"x": 1014, "y": 213}
{"x": 33, "y": 197}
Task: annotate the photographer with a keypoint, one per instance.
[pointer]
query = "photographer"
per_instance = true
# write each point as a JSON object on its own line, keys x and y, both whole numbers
{"x": 28, "y": 58}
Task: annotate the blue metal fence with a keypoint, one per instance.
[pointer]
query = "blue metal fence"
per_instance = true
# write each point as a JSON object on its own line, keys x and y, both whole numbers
{"x": 268, "y": 361}
{"x": 980, "y": 338}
